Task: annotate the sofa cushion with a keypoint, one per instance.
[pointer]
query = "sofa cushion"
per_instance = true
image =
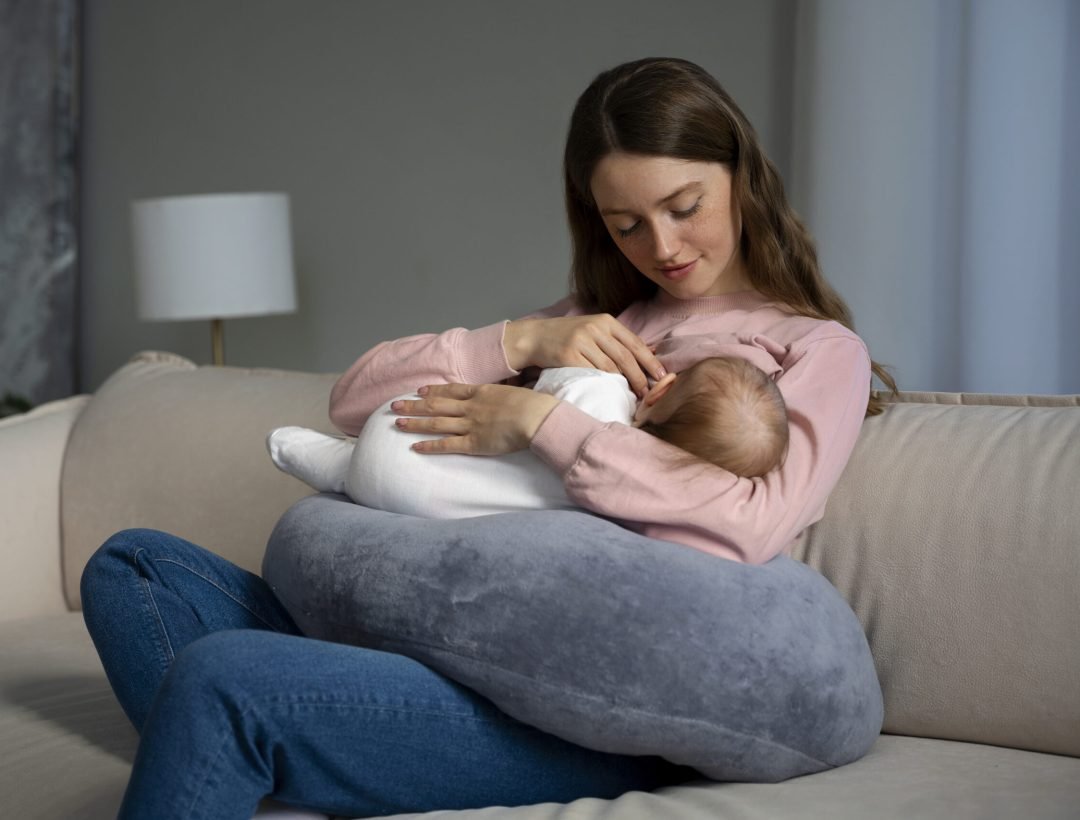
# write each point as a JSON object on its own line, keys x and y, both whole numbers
{"x": 68, "y": 747}
{"x": 172, "y": 446}
{"x": 954, "y": 533}
{"x": 899, "y": 779}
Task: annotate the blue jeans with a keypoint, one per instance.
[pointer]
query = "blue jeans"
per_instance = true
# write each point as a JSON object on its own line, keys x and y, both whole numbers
{"x": 233, "y": 704}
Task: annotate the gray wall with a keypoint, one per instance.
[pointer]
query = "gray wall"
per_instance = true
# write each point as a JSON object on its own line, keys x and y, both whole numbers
{"x": 420, "y": 143}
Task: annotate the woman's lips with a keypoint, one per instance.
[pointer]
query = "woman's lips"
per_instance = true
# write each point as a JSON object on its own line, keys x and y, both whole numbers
{"x": 675, "y": 274}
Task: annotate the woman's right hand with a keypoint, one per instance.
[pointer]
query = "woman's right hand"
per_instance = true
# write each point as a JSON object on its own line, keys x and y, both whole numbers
{"x": 599, "y": 341}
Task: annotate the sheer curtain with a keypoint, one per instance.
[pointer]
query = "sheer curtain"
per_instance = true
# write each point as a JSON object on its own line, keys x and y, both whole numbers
{"x": 935, "y": 161}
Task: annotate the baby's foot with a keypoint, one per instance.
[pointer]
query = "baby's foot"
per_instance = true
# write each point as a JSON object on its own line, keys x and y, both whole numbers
{"x": 319, "y": 460}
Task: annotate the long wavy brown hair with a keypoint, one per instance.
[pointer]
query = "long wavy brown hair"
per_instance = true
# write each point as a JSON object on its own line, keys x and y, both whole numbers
{"x": 674, "y": 108}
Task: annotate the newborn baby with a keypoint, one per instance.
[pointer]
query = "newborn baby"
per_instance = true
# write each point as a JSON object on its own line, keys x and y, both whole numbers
{"x": 723, "y": 410}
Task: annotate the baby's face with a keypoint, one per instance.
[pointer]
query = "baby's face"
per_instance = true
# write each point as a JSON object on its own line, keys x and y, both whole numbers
{"x": 652, "y": 406}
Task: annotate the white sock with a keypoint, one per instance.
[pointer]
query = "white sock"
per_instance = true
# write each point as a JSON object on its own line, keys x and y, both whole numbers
{"x": 319, "y": 460}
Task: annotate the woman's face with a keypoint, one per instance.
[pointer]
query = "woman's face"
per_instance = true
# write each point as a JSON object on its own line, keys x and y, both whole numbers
{"x": 674, "y": 220}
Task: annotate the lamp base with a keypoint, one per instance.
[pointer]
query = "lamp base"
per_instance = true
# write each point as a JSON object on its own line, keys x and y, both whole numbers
{"x": 217, "y": 341}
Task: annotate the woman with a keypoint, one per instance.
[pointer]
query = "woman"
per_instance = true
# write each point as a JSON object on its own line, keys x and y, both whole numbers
{"x": 680, "y": 228}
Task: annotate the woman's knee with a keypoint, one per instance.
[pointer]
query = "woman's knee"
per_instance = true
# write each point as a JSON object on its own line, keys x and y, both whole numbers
{"x": 115, "y": 556}
{"x": 121, "y": 551}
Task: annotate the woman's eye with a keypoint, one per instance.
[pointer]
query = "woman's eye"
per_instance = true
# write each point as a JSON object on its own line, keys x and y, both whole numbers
{"x": 689, "y": 211}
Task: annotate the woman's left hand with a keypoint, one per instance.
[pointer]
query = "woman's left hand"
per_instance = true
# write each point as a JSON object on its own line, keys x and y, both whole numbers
{"x": 476, "y": 419}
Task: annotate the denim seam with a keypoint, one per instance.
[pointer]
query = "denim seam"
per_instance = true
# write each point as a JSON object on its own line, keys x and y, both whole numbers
{"x": 218, "y": 587}
{"x": 168, "y": 653}
{"x": 160, "y": 622}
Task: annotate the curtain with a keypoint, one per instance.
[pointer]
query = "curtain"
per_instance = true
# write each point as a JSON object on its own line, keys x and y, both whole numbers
{"x": 38, "y": 198}
{"x": 935, "y": 160}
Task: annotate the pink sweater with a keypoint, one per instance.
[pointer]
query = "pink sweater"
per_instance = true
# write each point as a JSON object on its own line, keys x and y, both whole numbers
{"x": 823, "y": 372}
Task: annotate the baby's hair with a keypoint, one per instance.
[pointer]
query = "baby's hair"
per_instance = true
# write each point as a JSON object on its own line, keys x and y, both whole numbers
{"x": 729, "y": 413}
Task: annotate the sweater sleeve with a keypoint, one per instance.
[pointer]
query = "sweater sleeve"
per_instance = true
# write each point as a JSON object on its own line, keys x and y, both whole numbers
{"x": 397, "y": 367}
{"x": 625, "y": 473}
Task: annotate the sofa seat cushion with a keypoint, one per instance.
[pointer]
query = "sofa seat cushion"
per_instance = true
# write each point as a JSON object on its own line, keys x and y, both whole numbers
{"x": 68, "y": 747}
{"x": 899, "y": 779}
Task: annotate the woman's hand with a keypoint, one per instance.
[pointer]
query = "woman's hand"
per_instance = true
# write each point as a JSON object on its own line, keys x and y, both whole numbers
{"x": 479, "y": 419}
{"x": 600, "y": 341}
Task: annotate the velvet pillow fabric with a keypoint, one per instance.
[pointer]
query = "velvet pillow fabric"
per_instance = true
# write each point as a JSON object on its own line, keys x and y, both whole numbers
{"x": 605, "y": 638}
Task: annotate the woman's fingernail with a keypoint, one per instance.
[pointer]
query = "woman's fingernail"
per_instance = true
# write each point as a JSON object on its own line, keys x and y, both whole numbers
{"x": 401, "y": 422}
{"x": 395, "y": 405}
{"x": 661, "y": 373}
{"x": 422, "y": 390}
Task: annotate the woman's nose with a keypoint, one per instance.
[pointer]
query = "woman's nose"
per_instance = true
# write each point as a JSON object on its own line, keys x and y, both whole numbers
{"x": 666, "y": 243}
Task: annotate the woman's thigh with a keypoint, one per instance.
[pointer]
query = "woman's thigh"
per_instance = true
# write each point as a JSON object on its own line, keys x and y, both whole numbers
{"x": 348, "y": 731}
{"x": 146, "y": 594}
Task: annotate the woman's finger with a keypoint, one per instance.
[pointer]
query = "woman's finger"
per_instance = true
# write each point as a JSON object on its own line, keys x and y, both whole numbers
{"x": 430, "y": 405}
{"x": 450, "y": 444}
{"x": 433, "y": 424}
{"x": 643, "y": 353}
{"x": 626, "y": 364}
{"x": 597, "y": 359}
{"x": 452, "y": 390}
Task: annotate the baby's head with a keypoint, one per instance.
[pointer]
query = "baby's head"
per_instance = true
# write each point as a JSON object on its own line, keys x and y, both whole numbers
{"x": 723, "y": 410}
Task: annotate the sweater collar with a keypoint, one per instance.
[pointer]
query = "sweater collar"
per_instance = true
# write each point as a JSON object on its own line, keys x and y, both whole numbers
{"x": 739, "y": 300}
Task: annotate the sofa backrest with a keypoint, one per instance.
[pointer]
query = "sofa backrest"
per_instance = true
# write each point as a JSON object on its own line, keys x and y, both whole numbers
{"x": 954, "y": 533}
{"x": 172, "y": 446}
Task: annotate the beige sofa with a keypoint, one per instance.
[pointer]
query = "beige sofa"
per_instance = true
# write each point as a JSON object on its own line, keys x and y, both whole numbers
{"x": 954, "y": 534}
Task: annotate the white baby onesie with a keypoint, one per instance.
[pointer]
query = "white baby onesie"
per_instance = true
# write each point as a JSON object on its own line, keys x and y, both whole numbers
{"x": 382, "y": 471}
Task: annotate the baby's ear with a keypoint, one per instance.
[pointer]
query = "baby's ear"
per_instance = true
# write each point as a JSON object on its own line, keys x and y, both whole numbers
{"x": 657, "y": 391}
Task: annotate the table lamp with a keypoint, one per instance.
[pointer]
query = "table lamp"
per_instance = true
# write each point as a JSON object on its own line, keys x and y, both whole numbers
{"x": 213, "y": 256}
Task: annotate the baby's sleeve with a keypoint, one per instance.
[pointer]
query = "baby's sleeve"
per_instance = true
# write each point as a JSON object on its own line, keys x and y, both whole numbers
{"x": 604, "y": 396}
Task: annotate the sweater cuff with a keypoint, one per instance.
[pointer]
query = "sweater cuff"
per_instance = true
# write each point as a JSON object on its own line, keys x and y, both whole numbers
{"x": 481, "y": 355}
{"x": 560, "y": 437}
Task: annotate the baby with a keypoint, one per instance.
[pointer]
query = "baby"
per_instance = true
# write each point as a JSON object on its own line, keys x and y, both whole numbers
{"x": 722, "y": 410}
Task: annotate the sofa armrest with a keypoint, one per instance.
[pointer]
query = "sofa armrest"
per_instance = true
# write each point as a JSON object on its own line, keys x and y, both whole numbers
{"x": 31, "y": 457}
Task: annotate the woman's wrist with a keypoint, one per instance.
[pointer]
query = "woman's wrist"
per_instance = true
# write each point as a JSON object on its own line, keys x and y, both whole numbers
{"x": 540, "y": 407}
{"x": 515, "y": 344}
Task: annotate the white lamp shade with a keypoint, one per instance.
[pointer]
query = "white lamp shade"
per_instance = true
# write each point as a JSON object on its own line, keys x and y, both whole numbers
{"x": 213, "y": 257}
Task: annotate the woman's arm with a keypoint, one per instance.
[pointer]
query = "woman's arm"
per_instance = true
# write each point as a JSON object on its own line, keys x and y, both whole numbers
{"x": 396, "y": 367}
{"x": 624, "y": 473}
{"x": 557, "y": 336}
{"x": 393, "y": 368}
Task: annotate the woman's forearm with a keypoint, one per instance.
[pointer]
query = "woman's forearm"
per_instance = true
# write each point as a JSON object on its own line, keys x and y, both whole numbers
{"x": 396, "y": 367}
{"x": 401, "y": 366}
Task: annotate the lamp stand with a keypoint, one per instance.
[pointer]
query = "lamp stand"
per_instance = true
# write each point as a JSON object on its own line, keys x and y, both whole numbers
{"x": 217, "y": 340}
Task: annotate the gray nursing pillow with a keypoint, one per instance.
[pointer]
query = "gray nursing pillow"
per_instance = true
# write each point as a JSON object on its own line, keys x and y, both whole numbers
{"x": 605, "y": 638}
